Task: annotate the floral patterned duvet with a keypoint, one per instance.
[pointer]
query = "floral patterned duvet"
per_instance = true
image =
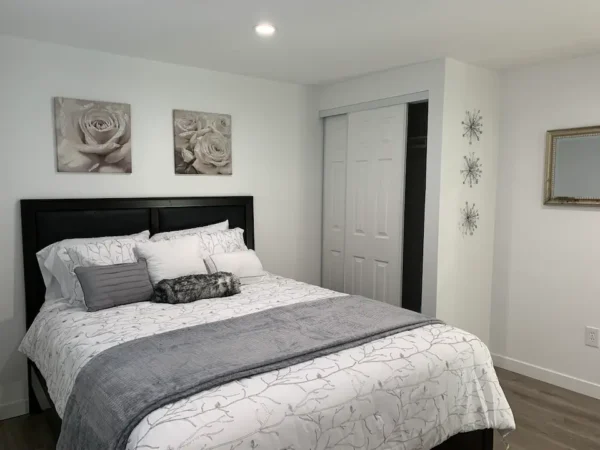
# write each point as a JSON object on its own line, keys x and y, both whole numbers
{"x": 411, "y": 390}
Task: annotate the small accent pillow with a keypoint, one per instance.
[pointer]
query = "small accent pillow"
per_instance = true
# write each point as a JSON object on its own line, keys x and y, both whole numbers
{"x": 109, "y": 286}
{"x": 244, "y": 264}
{"x": 172, "y": 259}
{"x": 66, "y": 255}
{"x": 169, "y": 235}
{"x": 196, "y": 287}
{"x": 222, "y": 242}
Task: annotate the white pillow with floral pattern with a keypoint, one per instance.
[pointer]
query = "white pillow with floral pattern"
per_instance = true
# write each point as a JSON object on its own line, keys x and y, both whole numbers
{"x": 170, "y": 235}
{"x": 227, "y": 241}
{"x": 63, "y": 259}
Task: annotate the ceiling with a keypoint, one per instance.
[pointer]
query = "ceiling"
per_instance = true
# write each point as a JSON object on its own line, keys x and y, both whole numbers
{"x": 317, "y": 40}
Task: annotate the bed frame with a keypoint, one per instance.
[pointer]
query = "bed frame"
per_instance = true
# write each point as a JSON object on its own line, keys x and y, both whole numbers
{"x": 44, "y": 222}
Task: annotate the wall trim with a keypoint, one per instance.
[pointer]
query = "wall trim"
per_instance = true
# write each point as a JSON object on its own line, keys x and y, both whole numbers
{"x": 13, "y": 409}
{"x": 547, "y": 375}
{"x": 374, "y": 104}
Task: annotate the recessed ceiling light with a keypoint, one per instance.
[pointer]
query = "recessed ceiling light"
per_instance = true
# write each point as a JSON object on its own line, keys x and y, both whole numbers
{"x": 264, "y": 29}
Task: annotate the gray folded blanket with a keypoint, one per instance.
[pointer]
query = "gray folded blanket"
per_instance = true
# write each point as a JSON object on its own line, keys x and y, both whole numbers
{"x": 123, "y": 384}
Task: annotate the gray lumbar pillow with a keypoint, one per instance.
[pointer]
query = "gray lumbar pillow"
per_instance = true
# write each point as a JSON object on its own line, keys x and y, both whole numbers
{"x": 190, "y": 288}
{"x": 109, "y": 286}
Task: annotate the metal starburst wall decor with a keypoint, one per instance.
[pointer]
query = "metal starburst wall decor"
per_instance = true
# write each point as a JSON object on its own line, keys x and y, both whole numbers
{"x": 473, "y": 125}
{"x": 472, "y": 170}
{"x": 469, "y": 216}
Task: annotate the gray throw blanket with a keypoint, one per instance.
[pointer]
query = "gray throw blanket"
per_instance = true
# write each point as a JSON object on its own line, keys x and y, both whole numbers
{"x": 125, "y": 383}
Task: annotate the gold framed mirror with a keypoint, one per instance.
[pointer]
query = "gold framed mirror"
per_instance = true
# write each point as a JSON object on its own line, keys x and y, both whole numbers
{"x": 573, "y": 166}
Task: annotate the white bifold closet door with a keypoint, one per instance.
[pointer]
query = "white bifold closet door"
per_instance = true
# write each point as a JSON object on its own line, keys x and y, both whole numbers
{"x": 334, "y": 201}
{"x": 374, "y": 163}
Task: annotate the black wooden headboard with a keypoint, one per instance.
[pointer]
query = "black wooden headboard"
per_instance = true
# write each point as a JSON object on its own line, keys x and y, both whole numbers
{"x": 47, "y": 221}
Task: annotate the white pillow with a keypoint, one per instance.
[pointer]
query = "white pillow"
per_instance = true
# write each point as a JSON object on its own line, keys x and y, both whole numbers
{"x": 172, "y": 258}
{"x": 168, "y": 235}
{"x": 222, "y": 242}
{"x": 244, "y": 264}
{"x": 57, "y": 267}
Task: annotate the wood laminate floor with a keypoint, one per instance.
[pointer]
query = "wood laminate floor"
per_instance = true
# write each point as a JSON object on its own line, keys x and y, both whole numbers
{"x": 548, "y": 418}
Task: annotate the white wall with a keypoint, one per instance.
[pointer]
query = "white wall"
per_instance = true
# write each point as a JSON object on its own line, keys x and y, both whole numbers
{"x": 465, "y": 262}
{"x": 276, "y": 158}
{"x": 427, "y": 77}
{"x": 547, "y": 258}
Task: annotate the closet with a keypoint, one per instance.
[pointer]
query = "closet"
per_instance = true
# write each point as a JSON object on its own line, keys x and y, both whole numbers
{"x": 364, "y": 202}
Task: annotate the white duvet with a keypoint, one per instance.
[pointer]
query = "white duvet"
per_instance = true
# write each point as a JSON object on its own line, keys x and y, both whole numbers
{"x": 412, "y": 390}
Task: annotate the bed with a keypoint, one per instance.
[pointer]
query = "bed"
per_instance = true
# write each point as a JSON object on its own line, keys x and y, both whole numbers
{"x": 433, "y": 386}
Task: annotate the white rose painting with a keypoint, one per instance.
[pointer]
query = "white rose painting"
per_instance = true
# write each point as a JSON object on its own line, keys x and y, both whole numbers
{"x": 92, "y": 136}
{"x": 202, "y": 143}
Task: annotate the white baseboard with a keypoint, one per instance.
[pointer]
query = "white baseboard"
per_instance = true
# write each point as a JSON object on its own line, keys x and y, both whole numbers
{"x": 549, "y": 376}
{"x": 14, "y": 409}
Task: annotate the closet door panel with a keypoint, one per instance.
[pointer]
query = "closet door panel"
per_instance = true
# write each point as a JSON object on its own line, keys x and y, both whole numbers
{"x": 334, "y": 201}
{"x": 375, "y": 189}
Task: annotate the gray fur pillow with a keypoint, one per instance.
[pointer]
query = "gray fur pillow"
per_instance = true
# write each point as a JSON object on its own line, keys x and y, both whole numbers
{"x": 190, "y": 288}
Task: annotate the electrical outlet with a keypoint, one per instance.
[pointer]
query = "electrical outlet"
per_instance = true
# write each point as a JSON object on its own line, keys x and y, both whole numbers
{"x": 591, "y": 336}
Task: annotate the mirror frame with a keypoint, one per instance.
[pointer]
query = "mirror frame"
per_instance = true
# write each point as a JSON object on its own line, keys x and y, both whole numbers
{"x": 551, "y": 139}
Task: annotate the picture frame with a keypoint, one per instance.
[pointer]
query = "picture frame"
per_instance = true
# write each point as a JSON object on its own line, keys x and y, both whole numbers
{"x": 572, "y": 175}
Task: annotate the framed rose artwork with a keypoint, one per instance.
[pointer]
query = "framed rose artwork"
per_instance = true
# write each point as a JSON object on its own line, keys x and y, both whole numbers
{"x": 202, "y": 143}
{"x": 92, "y": 136}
